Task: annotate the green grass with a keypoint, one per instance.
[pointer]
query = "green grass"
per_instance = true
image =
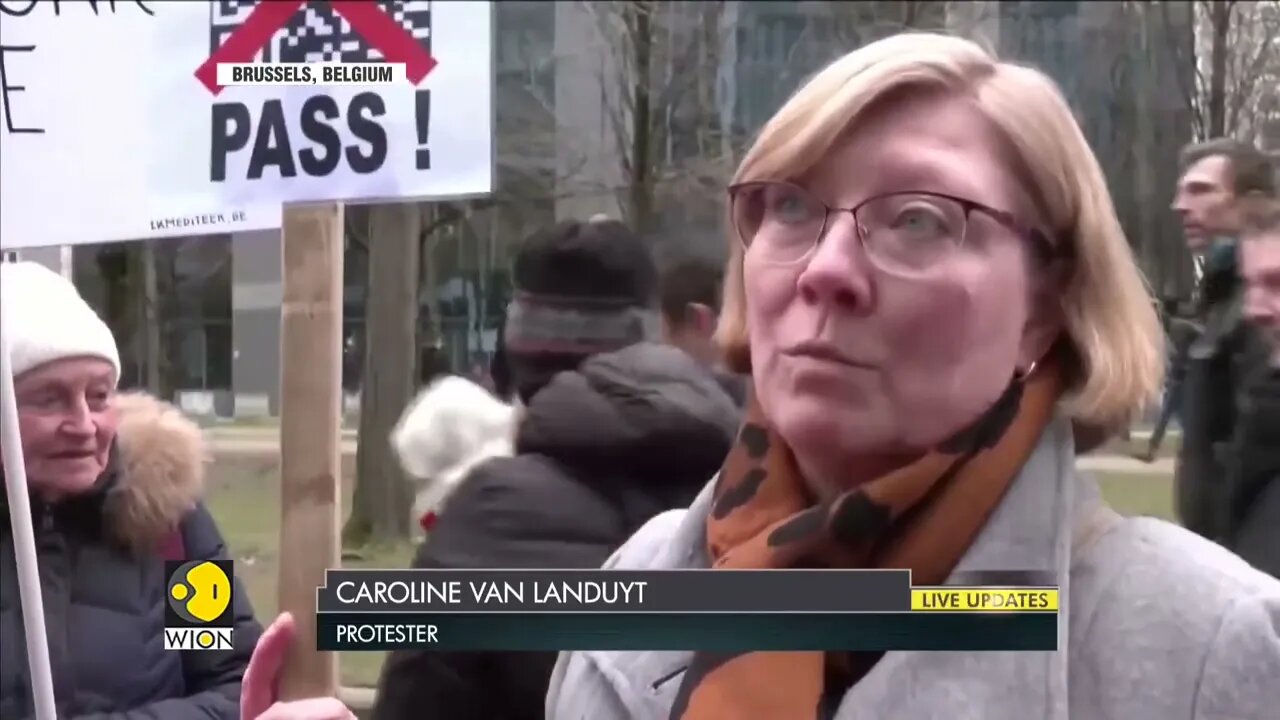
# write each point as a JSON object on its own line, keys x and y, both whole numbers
{"x": 1168, "y": 448}
{"x": 244, "y": 496}
{"x": 1138, "y": 493}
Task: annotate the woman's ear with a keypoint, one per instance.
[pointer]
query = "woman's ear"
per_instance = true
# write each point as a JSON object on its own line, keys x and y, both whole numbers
{"x": 1037, "y": 340}
{"x": 1046, "y": 320}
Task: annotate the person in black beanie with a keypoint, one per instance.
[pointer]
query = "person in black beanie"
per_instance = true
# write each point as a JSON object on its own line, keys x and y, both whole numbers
{"x": 617, "y": 427}
{"x": 579, "y": 289}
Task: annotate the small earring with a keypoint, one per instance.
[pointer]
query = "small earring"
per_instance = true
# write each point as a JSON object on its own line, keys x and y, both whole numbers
{"x": 1024, "y": 374}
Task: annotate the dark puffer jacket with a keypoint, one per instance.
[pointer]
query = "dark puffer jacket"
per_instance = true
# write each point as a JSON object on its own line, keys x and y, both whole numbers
{"x": 1253, "y": 470}
{"x": 601, "y": 450}
{"x": 103, "y": 585}
{"x": 1211, "y": 387}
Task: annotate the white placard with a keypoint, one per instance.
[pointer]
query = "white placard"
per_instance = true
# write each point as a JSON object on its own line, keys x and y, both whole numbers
{"x": 112, "y": 126}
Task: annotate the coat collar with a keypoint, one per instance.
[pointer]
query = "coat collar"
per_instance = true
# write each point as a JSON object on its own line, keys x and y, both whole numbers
{"x": 1029, "y": 533}
{"x": 161, "y": 471}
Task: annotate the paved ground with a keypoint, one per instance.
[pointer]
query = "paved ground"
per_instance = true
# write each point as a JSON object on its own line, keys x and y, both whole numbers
{"x": 255, "y": 447}
{"x": 1125, "y": 464}
{"x": 258, "y": 442}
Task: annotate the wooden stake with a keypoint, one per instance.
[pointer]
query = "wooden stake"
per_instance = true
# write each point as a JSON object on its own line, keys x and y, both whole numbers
{"x": 310, "y": 433}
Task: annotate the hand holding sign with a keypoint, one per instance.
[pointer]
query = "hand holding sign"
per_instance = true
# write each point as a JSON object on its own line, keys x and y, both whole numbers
{"x": 259, "y": 691}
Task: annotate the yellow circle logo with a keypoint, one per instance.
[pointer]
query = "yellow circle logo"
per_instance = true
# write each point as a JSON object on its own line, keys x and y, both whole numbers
{"x": 200, "y": 592}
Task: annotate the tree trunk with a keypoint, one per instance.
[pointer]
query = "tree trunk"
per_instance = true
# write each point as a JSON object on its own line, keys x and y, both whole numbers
{"x": 431, "y": 335}
{"x": 382, "y": 497}
{"x": 168, "y": 335}
{"x": 116, "y": 267}
{"x": 151, "y": 319}
{"x": 727, "y": 80}
{"x": 1220, "y": 18}
{"x": 641, "y": 118}
{"x": 1143, "y": 153}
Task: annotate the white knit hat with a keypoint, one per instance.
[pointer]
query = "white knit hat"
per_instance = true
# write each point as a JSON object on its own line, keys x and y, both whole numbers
{"x": 46, "y": 319}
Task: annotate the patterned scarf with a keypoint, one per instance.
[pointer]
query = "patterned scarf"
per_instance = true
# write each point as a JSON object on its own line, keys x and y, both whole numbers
{"x": 922, "y": 516}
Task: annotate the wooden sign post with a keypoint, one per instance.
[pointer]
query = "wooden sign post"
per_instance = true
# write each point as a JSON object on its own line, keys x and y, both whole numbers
{"x": 310, "y": 433}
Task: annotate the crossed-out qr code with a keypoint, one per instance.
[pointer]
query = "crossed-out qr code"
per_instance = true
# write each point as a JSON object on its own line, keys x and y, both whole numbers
{"x": 317, "y": 33}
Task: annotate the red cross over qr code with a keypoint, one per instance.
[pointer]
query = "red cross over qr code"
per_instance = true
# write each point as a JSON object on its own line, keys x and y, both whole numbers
{"x": 317, "y": 33}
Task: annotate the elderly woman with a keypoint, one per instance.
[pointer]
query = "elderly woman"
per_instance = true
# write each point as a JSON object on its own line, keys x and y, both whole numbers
{"x": 939, "y": 310}
{"x": 115, "y": 483}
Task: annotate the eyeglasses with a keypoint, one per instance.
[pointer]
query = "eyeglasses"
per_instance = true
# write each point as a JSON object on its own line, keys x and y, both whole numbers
{"x": 902, "y": 231}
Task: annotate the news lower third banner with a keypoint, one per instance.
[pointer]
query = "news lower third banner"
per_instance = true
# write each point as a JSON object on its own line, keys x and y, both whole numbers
{"x": 712, "y": 610}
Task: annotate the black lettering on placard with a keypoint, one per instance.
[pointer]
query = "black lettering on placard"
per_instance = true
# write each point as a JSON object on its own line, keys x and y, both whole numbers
{"x": 231, "y": 126}
{"x": 423, "y": 115}
{"x": 196, "y": 221}
{"x": 319, "y": 152}
{"x": 9, "y": 7}
{"x": 368, "y": 130}
{"x": 320, "y": 132}
{"x": 19, "y": 9}
{"x": 6, "y": 89}
{"x": 271, "y": 146}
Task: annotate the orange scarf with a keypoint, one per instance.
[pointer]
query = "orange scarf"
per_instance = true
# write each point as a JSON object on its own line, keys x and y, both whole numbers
{"x": 922, "y": 516}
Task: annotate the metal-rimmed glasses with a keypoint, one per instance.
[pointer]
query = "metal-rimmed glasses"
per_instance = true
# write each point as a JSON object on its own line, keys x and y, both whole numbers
{"x": 901, "y": 231}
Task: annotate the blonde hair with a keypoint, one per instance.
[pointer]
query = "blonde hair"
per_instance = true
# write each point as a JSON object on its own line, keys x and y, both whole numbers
{"x": 1114, "y": 338}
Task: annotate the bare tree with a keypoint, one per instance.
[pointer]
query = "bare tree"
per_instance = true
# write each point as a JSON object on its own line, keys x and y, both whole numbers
{"x": 673, "y": 85}
{"x": 1253, "y": 70}
{"x": 151, "y": 318}
{"x": 658, "y": 72}
{"x": 853, "y": 24}
{"x": 1235, "y": 85}
{"x": 389, "y": 377}
{"x": 1215, "y": 65}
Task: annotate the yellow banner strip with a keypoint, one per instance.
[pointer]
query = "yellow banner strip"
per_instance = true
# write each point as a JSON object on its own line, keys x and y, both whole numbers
{"x": 984, "y": 599}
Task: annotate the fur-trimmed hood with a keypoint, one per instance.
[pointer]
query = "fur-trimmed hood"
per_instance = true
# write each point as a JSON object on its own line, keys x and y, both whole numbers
{"x": 160, "y": 471}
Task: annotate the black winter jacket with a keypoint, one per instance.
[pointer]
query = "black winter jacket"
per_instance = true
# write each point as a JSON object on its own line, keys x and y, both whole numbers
{"x": 1211, "y": 387}
{"x": 1253, "y": 468}
{"x": 103, "y": 585}
{"x": 600, "y": 451}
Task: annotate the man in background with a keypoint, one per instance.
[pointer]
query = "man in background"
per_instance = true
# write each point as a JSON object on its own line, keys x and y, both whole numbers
{"x": 1215, "y": 176}
{"x": 1254, "y": 519}
{"x": 691, "y": 292}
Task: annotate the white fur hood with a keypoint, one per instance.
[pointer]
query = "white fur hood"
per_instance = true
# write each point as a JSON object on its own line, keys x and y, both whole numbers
{"x": 449, "y": 428}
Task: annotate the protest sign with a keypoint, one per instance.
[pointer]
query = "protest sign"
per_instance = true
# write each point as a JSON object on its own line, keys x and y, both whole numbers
{"x": 114, "y": 127}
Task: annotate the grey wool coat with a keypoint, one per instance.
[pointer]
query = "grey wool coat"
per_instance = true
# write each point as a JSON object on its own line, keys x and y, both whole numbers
{"x": 1156, "y": 623}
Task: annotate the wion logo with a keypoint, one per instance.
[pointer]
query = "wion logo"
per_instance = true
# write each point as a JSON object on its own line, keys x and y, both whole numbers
{"x": 198, "y": 615}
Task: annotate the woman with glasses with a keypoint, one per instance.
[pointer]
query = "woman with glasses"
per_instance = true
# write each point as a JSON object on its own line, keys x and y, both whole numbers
{"x": 939, "y": 310}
